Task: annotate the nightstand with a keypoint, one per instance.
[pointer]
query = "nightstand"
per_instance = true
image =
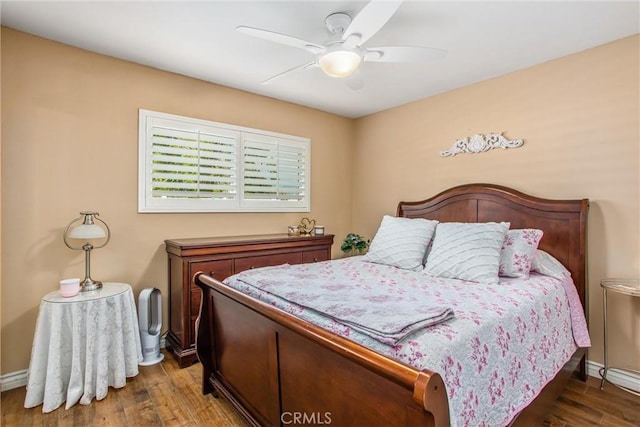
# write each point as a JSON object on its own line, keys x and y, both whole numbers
{"x": 82, "y": 346}
{"x": 625, "y": 287}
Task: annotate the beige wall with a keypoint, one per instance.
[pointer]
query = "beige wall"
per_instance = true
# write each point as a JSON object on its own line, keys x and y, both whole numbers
{"x": 70, "y": 143}
{"x": 579, "y": 117}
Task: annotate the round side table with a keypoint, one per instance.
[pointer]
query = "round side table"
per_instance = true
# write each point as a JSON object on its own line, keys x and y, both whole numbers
{"x": 626, "y": 287}
{"x": 83, "y": 345}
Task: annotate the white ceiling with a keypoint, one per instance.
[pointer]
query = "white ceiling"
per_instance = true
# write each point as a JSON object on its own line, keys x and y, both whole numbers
{"x": 197, "y": 39}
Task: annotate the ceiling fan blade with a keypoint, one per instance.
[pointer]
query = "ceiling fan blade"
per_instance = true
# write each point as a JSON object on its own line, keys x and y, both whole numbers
{"x": 371, "y": 18}
{"x": 282, "y": 39}
{"x": 290, "y": 71}
{"x": 403, "y": 54}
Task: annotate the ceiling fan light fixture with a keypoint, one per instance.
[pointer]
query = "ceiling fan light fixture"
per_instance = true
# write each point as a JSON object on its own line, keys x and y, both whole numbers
{"x": 339, "y": 61}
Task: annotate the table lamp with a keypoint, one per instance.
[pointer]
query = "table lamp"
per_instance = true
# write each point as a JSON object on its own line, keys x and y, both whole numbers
{"x": 87, "y": 231}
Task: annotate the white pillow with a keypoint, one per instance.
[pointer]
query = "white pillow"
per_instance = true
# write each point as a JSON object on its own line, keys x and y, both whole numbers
{"x": 546, "y": 264}
{"x": 467, "y": 251}
{"x": 517, "y": 252}
{"x": 401, "y": 242}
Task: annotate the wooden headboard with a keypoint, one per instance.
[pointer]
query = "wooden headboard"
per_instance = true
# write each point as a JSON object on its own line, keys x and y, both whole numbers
{"x": 564, "y": 222}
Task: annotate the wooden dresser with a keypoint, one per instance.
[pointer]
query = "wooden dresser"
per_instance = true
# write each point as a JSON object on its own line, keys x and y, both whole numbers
{"x": 221, "y": 257}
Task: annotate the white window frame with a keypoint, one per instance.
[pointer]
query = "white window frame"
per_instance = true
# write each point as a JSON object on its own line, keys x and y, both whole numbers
{"x": 238, "y": 202}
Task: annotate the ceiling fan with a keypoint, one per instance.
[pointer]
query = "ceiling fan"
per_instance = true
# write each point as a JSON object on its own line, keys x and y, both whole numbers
{"x": 342, "y": 54}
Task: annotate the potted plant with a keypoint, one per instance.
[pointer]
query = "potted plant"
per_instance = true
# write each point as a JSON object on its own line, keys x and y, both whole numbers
{"x": 354, "y": 244}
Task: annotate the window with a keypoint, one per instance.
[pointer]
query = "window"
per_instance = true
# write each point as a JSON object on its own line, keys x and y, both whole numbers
{"x": 192, "y": 165}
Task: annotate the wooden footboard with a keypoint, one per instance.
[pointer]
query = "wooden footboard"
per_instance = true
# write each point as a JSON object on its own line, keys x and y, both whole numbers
{"x": 277, "y": 369}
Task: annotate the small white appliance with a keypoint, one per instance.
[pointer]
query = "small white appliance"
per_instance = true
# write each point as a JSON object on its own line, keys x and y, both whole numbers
{"x": 150, "y": 322}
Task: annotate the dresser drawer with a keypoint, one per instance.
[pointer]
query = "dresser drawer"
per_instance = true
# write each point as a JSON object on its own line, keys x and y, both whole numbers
{"x": 241, "y": 264}
{"x": 315, "y": 256}
{"x": 219, "y": 270}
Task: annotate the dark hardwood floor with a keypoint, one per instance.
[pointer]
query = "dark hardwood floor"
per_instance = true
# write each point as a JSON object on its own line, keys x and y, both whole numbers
{"x": 164, "y": 395}
{"x": 584, "y": 404}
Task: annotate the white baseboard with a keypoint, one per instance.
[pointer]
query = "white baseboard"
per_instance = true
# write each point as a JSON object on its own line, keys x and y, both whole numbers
{"x": 13, "y": 380}
{"x": 19, "y": 378}
{"x": 626, "y": 379}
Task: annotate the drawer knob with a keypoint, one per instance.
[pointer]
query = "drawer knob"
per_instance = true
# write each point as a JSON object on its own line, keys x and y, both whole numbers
{"x": 252, "y": 267}
{"x": 213, "y": 273}
{"x": 315, "y": 259}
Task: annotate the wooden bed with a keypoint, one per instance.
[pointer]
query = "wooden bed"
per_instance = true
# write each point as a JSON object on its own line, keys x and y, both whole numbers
{"x": 277, "y": 369}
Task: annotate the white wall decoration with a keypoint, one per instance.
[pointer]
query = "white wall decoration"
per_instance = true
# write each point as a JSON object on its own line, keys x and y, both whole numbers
{"x": 479, "y": 143}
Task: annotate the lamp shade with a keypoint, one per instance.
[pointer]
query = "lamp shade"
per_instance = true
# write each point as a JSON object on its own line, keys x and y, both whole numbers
{"x": 339, "y": 62}
{"x": 86, "y": 231}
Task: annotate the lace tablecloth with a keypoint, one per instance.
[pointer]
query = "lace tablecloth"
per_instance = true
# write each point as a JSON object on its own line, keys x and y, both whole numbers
{"x": 82, "y": 345}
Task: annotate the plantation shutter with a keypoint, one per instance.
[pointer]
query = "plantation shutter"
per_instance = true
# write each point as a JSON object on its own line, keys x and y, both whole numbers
{"x": 192, "y": 163}
{"x": 274, "y": 169}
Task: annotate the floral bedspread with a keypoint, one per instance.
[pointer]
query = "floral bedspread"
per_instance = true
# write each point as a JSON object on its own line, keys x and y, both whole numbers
{"x": 502, "y": 346}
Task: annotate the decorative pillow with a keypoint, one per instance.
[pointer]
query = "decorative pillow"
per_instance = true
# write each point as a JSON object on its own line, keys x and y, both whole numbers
{"x": 401, "y": 242}
{"x": 467, "y": 251}
{"x": 517, "y": 252}
{"x": 545, "y": 263}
